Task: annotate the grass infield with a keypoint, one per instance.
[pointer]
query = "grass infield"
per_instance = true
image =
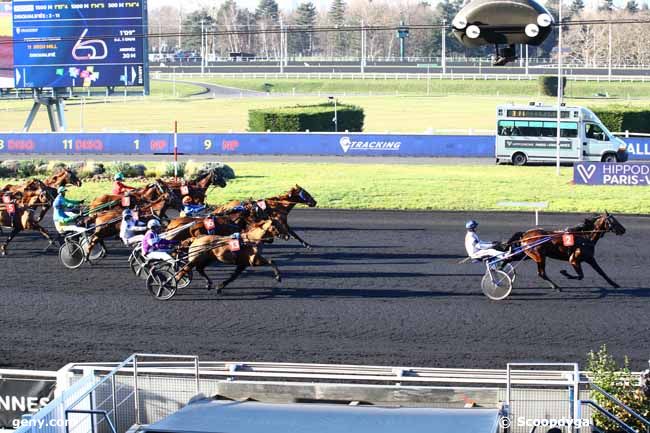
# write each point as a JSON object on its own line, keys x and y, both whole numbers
{"x": 419, "y": 187}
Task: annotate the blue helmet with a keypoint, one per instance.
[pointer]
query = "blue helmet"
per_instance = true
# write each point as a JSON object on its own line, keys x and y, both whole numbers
{"x": 127, "y": 213}
{"x": 119, "y": 176}
{"x": 471, "y": 225}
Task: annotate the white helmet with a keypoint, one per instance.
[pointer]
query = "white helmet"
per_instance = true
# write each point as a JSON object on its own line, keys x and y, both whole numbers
{"x": 153, "y": 224}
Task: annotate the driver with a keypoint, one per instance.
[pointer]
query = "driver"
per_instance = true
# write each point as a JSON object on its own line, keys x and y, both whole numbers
{"x": 153, "y": 246}
{"x": 64, "y": 217}
{"x": 190, "y": 209}
{"x": 119, "y": 187}
{"x": 475, "y": 248}
{"x": 131, "y": 230}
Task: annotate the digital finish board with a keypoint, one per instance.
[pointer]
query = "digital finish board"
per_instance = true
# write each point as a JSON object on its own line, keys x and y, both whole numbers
{"x": 75, "y": 43}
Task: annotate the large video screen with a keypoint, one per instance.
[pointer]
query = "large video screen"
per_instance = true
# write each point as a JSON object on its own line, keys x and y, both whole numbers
{"x": 6, "y": 47}
{"x": 73, "y": 43}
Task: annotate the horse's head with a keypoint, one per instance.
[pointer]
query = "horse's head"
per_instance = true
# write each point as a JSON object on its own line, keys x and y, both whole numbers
{"x": 63, "y": 177}
{"x": 299, "y": 194}
{"x": 609, "y": 223}
{"x": 218, "y": 179}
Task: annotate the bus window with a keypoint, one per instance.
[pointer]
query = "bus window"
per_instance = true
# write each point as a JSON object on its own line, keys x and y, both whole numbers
{"x": 595, "y": 132}
{"x": 505, "y": 127}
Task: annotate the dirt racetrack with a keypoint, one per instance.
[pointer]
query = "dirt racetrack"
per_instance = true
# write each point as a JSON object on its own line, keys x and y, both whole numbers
{"x": 378, "y": 288}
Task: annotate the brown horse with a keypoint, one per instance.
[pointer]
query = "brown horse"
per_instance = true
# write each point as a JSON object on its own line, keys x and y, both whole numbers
{"x": 22, "y": 219}
{"x": 209, "y": 249}
{"x": 198, "y": 188}
{"x": 278, "y": 208}
{"x": 149, "y": 193}
{"x": 35, "y": 193}
{"x": 108, "y": 223}
{"x": 583, "y": 249}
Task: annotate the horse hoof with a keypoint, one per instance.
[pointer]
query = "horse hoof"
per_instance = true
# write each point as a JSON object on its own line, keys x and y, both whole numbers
{"x": 558, "y": 290}
{"x": 219, "y": 290}
{"x": 278, "y": 279}
{"x": 616, "y": 286}
{"x": 309, "y": 247}
{"x": 209, "y": 287}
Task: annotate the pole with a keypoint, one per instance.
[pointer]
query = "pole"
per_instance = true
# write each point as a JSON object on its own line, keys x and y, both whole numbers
{"x": 609, "y": 54}
{"x": 559, "y": 89}
{"x": 526, "y": 59}
{"x": 428, "y": 79}
{"x": 363, "y": 48}
{"x": 180, "y": 24}
{"x": 176, "y": 149}
{"x": 202, "y": 47}
{"x": 281, "y": 46}
{"x": 444, "y": 47}
{"x": 81, "y": 122}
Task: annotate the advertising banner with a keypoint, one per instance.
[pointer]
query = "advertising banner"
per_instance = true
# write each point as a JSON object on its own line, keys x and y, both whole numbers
{"x": 22, "y": 396}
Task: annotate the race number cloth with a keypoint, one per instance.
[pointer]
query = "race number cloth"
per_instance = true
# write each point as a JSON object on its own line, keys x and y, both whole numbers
{"x": 261, "y": 204}
{"x": 234, "y": 246}
{"x": 568, "y": 240}
{"x": 185, "y": 190}
{"x": 209, "y": 224}
{"x": 11, "y": 208}
{"x": 126, "y": 201}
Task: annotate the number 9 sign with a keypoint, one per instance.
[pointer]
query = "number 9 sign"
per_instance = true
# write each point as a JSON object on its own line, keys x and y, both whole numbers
{"x": 207, "y": 144}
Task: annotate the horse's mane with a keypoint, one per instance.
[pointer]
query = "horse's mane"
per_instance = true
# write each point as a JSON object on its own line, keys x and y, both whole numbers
{"x": 587, "y": 225}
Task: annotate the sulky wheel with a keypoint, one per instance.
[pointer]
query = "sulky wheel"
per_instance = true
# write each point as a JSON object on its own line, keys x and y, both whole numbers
{"x": 496, "y": 285}
{"x": 96, "y": 254}
{"x": 138, "y": 265}
{"x": 511, "y": 271}
{"x": 71, "y": 255}
{"x": 161, "y": 283}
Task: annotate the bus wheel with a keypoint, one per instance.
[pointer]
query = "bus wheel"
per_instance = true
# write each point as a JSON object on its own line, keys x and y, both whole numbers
{"x": 519, "y": 159}
{"x": 609, "y": 157}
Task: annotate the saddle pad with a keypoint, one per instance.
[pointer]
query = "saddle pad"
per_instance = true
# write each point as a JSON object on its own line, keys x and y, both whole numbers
{"x": 261, "y": 204}
{"x": 185, "y": 190}
{"x": 126, "y": 201}
{"x": 568, "y": 240}
{"x": 209, "y": 224}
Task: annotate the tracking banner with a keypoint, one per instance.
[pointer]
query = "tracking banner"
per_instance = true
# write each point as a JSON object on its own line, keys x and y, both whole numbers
{"x": 602, "y": 173}
{"x": 19, "y": 397}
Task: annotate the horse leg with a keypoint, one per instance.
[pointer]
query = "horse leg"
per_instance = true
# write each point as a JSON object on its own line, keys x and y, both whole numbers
{"x": 208, "y": 285}
{"x": 597, "y": 268}
{"x": 298, "y": 238}
{"x": 577, "y": 266}
{"x": 263, "y": 261}
{"x": 46, "y": 235}
{"x": 3, "y": 247}
{"x": 240, "y": 268}
{"x": 541, "y": 271}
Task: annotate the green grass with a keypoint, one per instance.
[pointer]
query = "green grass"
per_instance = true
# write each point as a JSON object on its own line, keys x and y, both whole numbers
{"x": 423, "y": 187}
{"x": 574, "y": 89}
{"x": 383, "y": 113}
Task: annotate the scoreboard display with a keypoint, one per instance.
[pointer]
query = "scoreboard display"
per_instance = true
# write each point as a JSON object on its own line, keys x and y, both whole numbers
{"x": 79, "y": 43}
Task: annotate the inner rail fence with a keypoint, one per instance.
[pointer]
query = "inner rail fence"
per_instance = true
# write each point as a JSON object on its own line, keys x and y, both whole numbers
{"x": 145, "y": 388}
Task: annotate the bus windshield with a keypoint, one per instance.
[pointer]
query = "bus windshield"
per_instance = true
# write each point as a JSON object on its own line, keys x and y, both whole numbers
{"x": 536, "y": 128}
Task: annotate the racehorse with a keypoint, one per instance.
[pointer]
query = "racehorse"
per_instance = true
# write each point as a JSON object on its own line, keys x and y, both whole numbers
{"x": 208, "y": 249}
{"x": 147, "y": 194}
{"x": 198, "y": 188}
{"x": 278, "y": 208}
{"x": 108, "y": 223}
{"x": 584, "y": 238}
{"x": 229, "y": 221}
{"x": 35, "y": 193}
{"x": 22, "y": 219}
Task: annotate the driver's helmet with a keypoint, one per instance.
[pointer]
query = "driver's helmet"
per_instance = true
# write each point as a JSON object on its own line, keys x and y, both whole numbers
{"x": 153, "y": 224}
{"x": 187, "y": 200}
{"x": 119, "y": 176}
{"x": 61, "y": 190}
{"x": 471, "y": 225}
{"x": 127, "y": 214}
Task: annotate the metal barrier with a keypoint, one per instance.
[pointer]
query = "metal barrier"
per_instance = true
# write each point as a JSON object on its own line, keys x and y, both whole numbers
{"x": 144, "y": 389}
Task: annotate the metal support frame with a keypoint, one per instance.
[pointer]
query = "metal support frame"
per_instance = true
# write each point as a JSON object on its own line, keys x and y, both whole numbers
{"x": 55, "y": 106}
{"x": 103, "y": 413}
{"x": 573, "y": 381}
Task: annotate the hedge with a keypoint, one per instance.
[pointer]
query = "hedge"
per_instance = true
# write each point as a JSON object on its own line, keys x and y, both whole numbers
{"x": 619, "y": 118}
{"x": 548, "y": 85}
{"x": 315, "y": 118}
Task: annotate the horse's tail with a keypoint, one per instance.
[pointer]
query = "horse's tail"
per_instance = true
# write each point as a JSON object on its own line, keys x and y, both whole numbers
{"x": 514, "y": 246}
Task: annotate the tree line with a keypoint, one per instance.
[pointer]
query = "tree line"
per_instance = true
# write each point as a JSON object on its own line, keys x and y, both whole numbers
{"x": 252, "y": 31}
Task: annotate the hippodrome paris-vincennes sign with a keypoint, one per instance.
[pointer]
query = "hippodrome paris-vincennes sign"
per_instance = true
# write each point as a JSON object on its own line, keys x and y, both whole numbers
{"x": 602, "y": 173}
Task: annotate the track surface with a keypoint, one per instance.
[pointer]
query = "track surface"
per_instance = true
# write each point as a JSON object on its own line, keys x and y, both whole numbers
{"x": 379, "y": 288}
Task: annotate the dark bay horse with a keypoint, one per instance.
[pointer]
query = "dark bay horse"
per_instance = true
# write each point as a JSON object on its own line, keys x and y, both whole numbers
{"x": 108, "y": 223}
{"x": 22, "y": 219}
{"x": 585, "y": 237}
{"x": 197, "y": 188}
{"x": 205, "y": 250}
{"x": 147, "y": 193}
{"x": 278, "y": 207}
